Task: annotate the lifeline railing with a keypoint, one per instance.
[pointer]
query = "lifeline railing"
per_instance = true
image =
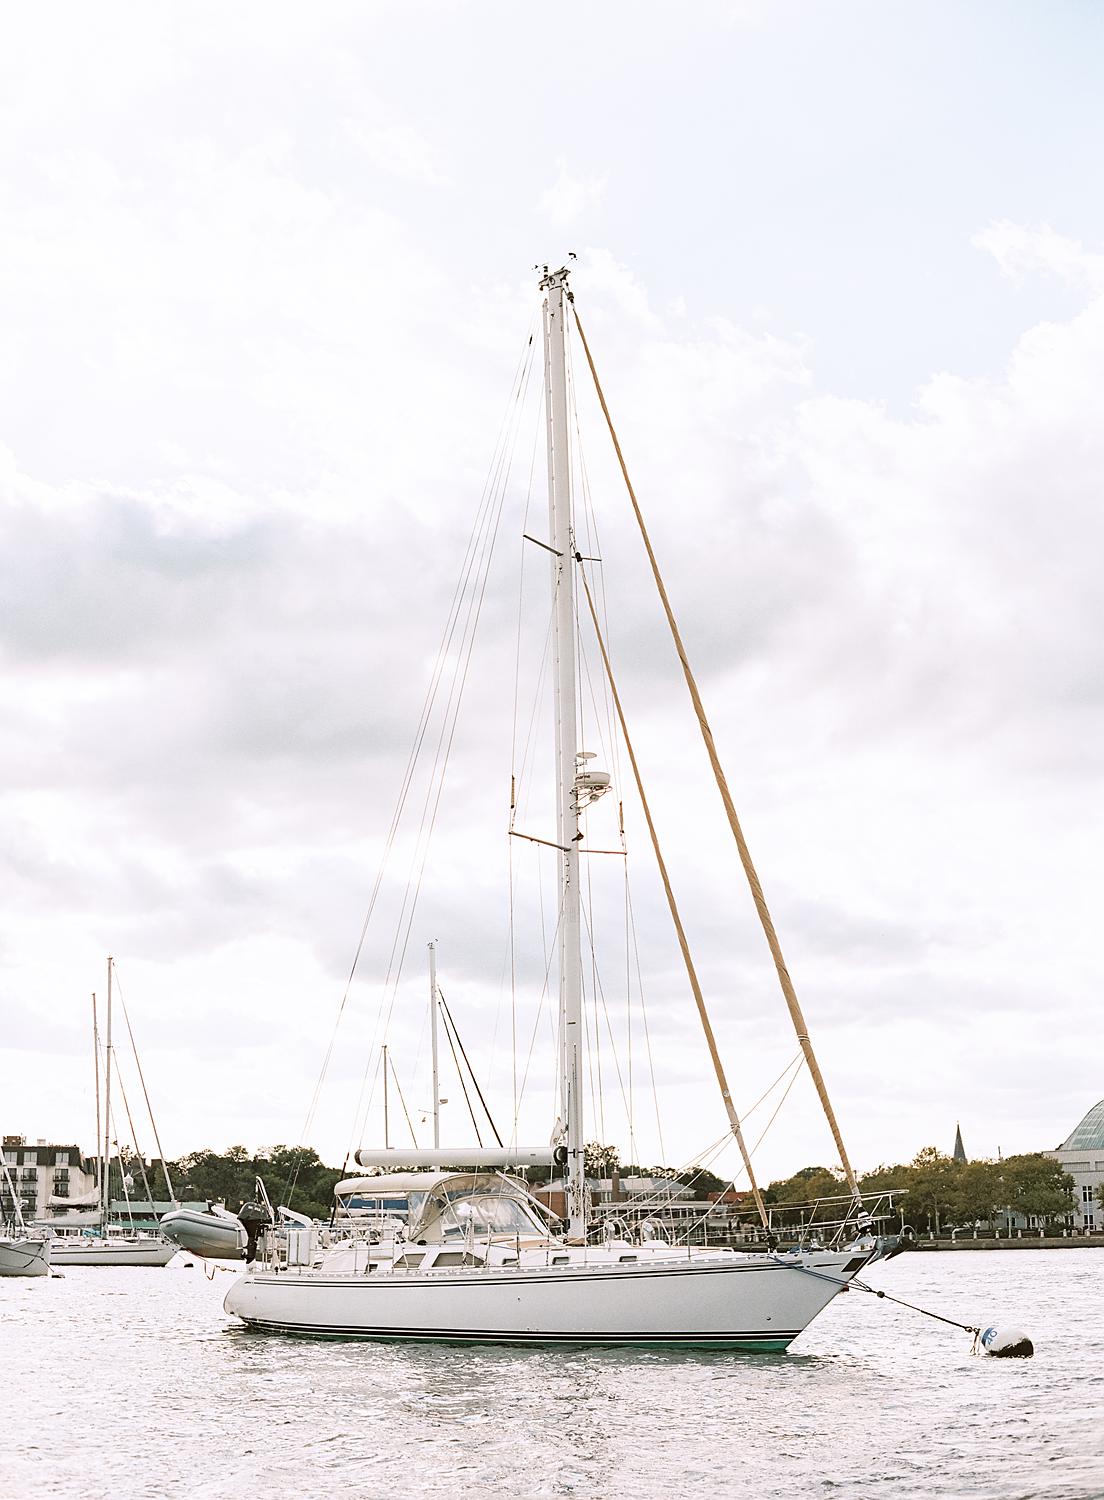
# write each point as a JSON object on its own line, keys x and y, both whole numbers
{"x": 825, "y": 1221}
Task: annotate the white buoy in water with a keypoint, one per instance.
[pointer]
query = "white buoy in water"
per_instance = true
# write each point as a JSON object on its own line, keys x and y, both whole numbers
{"x": 1004, "y": 1343}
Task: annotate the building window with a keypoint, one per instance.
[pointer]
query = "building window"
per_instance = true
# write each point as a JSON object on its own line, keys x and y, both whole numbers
{"x": 1090, "y": 1222}
{"x": 11, "y": 1157}
{"x": 30, "y": 1158}
{"x": 61, "y": 1159}
{"x": 1086, "y": 1195}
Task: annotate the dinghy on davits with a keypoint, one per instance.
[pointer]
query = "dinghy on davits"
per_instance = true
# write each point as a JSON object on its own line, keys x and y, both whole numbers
{"x": 215, "y": 1235}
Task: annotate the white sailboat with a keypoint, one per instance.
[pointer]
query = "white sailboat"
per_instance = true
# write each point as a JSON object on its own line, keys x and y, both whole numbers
{"x": 23, "y": 1251}
{"x": 105, "y": 1244}
{"x": 479, "y": 1259}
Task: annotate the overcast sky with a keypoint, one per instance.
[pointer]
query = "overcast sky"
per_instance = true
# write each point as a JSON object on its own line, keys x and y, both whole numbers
{"x": 265, "y": 279}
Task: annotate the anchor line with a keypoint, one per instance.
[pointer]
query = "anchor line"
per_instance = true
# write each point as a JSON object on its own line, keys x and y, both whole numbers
{"x": 874, "y": 1291}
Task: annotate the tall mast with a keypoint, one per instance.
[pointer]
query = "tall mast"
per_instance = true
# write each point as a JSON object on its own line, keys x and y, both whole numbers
{"x": 386, "y": 1115}
{"x": 554, "y": 285}
{"x": 105, "y": 1174}
{"x": 96, "y": 1063}
{"x": 433, "y": 1045}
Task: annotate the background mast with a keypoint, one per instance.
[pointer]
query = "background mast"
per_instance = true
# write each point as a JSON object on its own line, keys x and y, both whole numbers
{"x": 106, "y": 1214}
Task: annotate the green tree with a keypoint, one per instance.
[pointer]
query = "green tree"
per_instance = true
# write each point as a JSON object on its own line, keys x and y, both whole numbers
{"x": 1035, "y": 1184}
{"x": 298, "y": 1177}
{"x": 884, "y": 1177}
{"x": 977, "y": 1192}
{"x": 225, "y": 1177}
{"x": 601, "y": 1161}
{"x": 805, "y": 1186}
{"x": 931, "y": 1185}
{"x": 293, "y": 1175}
{"x": 702, "y": 1182}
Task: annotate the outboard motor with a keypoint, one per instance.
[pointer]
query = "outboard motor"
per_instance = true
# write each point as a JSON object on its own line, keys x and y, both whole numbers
{"x": 254, "y": 1219}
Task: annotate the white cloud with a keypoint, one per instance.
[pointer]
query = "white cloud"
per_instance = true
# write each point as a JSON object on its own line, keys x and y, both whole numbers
{"x": 398, "y": 150}
{"x": 1020, "y": 250}
{"x": 896, "y": 623}
{"x": 572, "y": 198}
{"x": 261, "y": 323}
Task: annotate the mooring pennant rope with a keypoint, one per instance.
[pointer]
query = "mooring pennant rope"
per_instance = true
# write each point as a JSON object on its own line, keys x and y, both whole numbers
{"x": 760, "y": 900}
{"x": 861, "y": 1286}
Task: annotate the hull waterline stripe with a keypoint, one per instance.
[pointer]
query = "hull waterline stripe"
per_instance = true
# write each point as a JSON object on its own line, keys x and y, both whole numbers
{"x": 766, "y": 1341}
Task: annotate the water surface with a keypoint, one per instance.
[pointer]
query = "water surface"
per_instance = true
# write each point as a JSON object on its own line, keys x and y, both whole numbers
{"x": 125, "y": 1384}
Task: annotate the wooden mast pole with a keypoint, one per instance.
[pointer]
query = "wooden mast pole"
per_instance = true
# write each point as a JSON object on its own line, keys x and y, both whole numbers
{"x": 687, "y": 958}
{"x": 788, "y": 991}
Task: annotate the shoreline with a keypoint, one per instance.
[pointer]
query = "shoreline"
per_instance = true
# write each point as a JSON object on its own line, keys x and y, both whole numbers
{"x": 1028, "y": 1242}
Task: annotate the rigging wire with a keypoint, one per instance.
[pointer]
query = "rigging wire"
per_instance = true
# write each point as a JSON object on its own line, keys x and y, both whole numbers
{"x": 464, "y": 617}
{"x": 600, "y": 993}
{"x": 463, "y": 1052}
{"x": 789, "y": 993}
{"x": 644, "y": 1018}
{"x": 511, "y": 939}
{"x": 145, "y": 1091}
{"x": 114, "y": 1135}
{"x": 402, "y": 1101}
{"x": 452, "y": 709}
{"x": 133, "y": 1135}
{"x": 684, "y": 946}
{"x": 543, "y": 1007}
{"x": 421, "y": 729}
{"x": 464, "y": 1087}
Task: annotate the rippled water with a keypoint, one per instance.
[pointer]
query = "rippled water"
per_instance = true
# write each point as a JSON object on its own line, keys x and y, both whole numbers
{"x": 134, "y": 1383}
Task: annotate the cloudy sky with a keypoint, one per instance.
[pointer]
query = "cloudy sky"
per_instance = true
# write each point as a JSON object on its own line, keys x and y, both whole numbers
{"x": 265, "y": 281}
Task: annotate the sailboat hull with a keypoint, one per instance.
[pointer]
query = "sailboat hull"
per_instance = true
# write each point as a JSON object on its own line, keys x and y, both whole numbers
{"x": 719, "y": 1301}
{"x": 24, "y": 1256}
{"x": 109, "y": 1253}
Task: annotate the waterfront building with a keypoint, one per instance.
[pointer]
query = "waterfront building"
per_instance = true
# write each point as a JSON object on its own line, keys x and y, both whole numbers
{"x": 50, "y": 1179}
{"x": 60, "y": 1186}
{"x": 664, "y": 1200}
{"x": 1082, "y": 1155}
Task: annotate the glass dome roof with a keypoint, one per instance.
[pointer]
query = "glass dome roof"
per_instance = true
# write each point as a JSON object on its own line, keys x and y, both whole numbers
{"x": 1089, "y": 1135}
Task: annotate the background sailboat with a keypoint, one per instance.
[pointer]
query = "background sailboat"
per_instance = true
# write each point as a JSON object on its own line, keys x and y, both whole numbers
{"x": 105, "y": 1245}
{"x": 23, "y": 1252}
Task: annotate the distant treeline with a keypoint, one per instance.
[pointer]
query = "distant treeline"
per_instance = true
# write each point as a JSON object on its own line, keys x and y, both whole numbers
{"x": 295, "y": 1176}
{"x": 942, "y": 1193}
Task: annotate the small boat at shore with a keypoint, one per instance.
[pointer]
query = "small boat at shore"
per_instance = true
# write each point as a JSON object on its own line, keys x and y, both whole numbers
{"x": 23, "y": 1251}
{"x": 111, "y": 1250}
{"x": 24, "y": 1255}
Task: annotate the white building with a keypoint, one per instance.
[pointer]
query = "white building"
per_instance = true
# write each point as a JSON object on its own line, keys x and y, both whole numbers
{"x": 1082, "y": 1155}
{"x": 49, "y": 1180}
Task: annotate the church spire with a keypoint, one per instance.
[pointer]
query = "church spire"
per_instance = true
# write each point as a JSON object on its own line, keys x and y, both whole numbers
{"x": 959, "y": 1153}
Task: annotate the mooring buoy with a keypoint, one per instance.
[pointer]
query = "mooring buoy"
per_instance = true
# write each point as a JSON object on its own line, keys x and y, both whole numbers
{"x": 1004, "y": 1343}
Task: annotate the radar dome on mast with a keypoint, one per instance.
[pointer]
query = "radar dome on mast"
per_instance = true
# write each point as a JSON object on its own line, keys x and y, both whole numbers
{"x": 589, "y": 785}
